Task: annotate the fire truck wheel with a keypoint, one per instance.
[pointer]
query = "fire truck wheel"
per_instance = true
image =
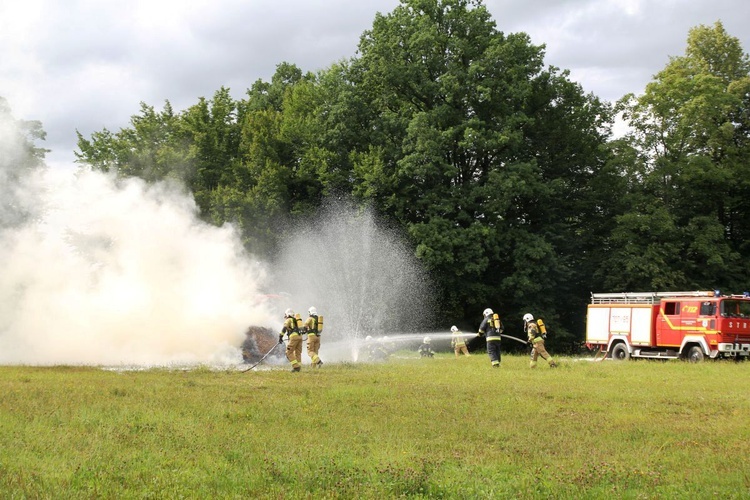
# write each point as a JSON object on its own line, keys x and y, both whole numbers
{"x": 695, "y": 354}
{"x": 620, "y": 352}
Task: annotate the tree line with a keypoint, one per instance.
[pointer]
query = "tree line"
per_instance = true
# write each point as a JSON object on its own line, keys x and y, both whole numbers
{"x": 501, "y": 171}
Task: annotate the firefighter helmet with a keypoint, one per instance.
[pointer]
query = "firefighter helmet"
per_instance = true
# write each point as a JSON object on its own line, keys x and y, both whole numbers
{"x": 312, "y": 311}
{"x": 427, "y": 340}
{"x": 288, "y": 313}
{"x": 527, "y": 317}
{"x": 368, "y": 338}
{"x": 454, "y": 329}
{"x": 487, "y": 312}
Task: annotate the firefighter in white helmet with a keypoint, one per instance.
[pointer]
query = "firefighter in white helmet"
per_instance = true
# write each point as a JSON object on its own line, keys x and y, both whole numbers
{"x": 313, "y": 327}
{"x": 294, "y": 348}
{"x": 425, "y": 350}
{"x": 491, "y": 328}
{"x": 537, "y": 333}
{"x": 458, "y": 342}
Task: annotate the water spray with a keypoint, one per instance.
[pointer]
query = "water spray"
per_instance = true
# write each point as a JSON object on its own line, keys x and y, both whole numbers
{"x": 360, "y": 274}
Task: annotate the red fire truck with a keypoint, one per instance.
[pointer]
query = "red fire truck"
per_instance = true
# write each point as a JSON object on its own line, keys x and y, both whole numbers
{"x": 669, "y": 325}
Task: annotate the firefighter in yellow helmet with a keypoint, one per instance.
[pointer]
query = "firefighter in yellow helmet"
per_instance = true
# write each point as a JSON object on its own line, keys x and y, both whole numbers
{"x": 294, "y": 347}
{"x": 536, "y": 339}
{"x": 457, "y": 342}
{"x": 491, "y": 328}
{"x": 313, "y": 327}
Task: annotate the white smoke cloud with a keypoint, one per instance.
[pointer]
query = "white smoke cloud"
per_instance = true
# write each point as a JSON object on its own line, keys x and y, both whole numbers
{"x": 108, "y": 272}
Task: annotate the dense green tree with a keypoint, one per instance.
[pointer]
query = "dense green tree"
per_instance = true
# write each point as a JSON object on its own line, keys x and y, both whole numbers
{"x": 151, "y": 148}
{"x": 691, "y": 131}
{"x": 18, "y": 143}
{"x": 19, "y": 156}
{"x": 482, "y": 153}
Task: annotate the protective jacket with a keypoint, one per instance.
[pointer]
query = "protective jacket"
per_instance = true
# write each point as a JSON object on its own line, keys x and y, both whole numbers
{"x": 457, "y": 339}
{"x": 311, "y": 326}
{"x": 290, "y": 327}
{"x": 532, "y": 332}
{"x": 489, "y": 330}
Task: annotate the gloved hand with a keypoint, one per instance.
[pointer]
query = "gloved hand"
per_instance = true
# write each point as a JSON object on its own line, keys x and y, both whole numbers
{"x": 480, "y": 334}
{"x": 281, "y": 338}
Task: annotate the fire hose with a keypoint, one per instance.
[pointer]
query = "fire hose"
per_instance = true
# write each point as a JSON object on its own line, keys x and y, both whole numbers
{"x": 261, "y": 359}
{"x": 514, "y": 338}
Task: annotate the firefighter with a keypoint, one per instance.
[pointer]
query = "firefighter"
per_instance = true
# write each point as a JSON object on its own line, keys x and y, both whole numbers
{"x": 536, "y": 339}
{"x": 313, "y": 328}
{"x": 388, "y": 345}
{"x": 376, "y": 350}
{"x": 369, "y": 347}
{"x": 425, "y": 350}
{"x": 491, "y": 328}
{"x": 294, "y": 347}
{"x": 457, "y": 342}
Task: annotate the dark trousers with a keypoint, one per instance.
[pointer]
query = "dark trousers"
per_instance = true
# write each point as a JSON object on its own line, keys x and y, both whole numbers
{"x": 493, "y": 350}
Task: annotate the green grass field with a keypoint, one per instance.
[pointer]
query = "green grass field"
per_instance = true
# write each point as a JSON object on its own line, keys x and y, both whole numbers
{"x": 432, "y": 428}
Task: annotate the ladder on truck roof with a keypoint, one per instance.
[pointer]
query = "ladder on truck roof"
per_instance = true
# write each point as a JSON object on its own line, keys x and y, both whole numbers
{"x": 644, "y": 297}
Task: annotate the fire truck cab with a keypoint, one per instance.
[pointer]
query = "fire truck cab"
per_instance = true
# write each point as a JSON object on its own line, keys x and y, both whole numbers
{"x": 669, "y": 325}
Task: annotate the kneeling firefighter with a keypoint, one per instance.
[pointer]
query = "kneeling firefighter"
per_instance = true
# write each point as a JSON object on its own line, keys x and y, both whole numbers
{"x": 537, "y": 333}
{"x": 294, "y": 347}
{"x": 491, "y": 328}
{"x": 425, "y": 350}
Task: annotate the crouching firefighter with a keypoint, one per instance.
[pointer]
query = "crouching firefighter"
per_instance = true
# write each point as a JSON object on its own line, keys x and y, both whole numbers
{"x": 491, "y": 328}
{"x": 425, "y": 350}
{"x": 537, "y": 333}
{"x": 294, "y": 347}
{"x": 313, "y": 327}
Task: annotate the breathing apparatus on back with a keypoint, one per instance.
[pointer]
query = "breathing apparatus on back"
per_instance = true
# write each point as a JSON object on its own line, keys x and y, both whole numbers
{"x": 496, "y": 323}
{"x": 541, "y": 328}
{"x": 318, "y": 325}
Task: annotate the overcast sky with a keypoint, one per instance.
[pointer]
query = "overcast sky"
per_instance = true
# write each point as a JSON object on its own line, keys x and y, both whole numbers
{"x": 87, "y": 64}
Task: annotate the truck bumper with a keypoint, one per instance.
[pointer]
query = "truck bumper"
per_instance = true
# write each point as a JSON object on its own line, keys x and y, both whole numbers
{"x": 734, "y": 349}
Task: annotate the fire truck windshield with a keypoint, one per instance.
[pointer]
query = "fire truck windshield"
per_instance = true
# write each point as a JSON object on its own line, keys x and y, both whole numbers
{"x": 735, "y": 308}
